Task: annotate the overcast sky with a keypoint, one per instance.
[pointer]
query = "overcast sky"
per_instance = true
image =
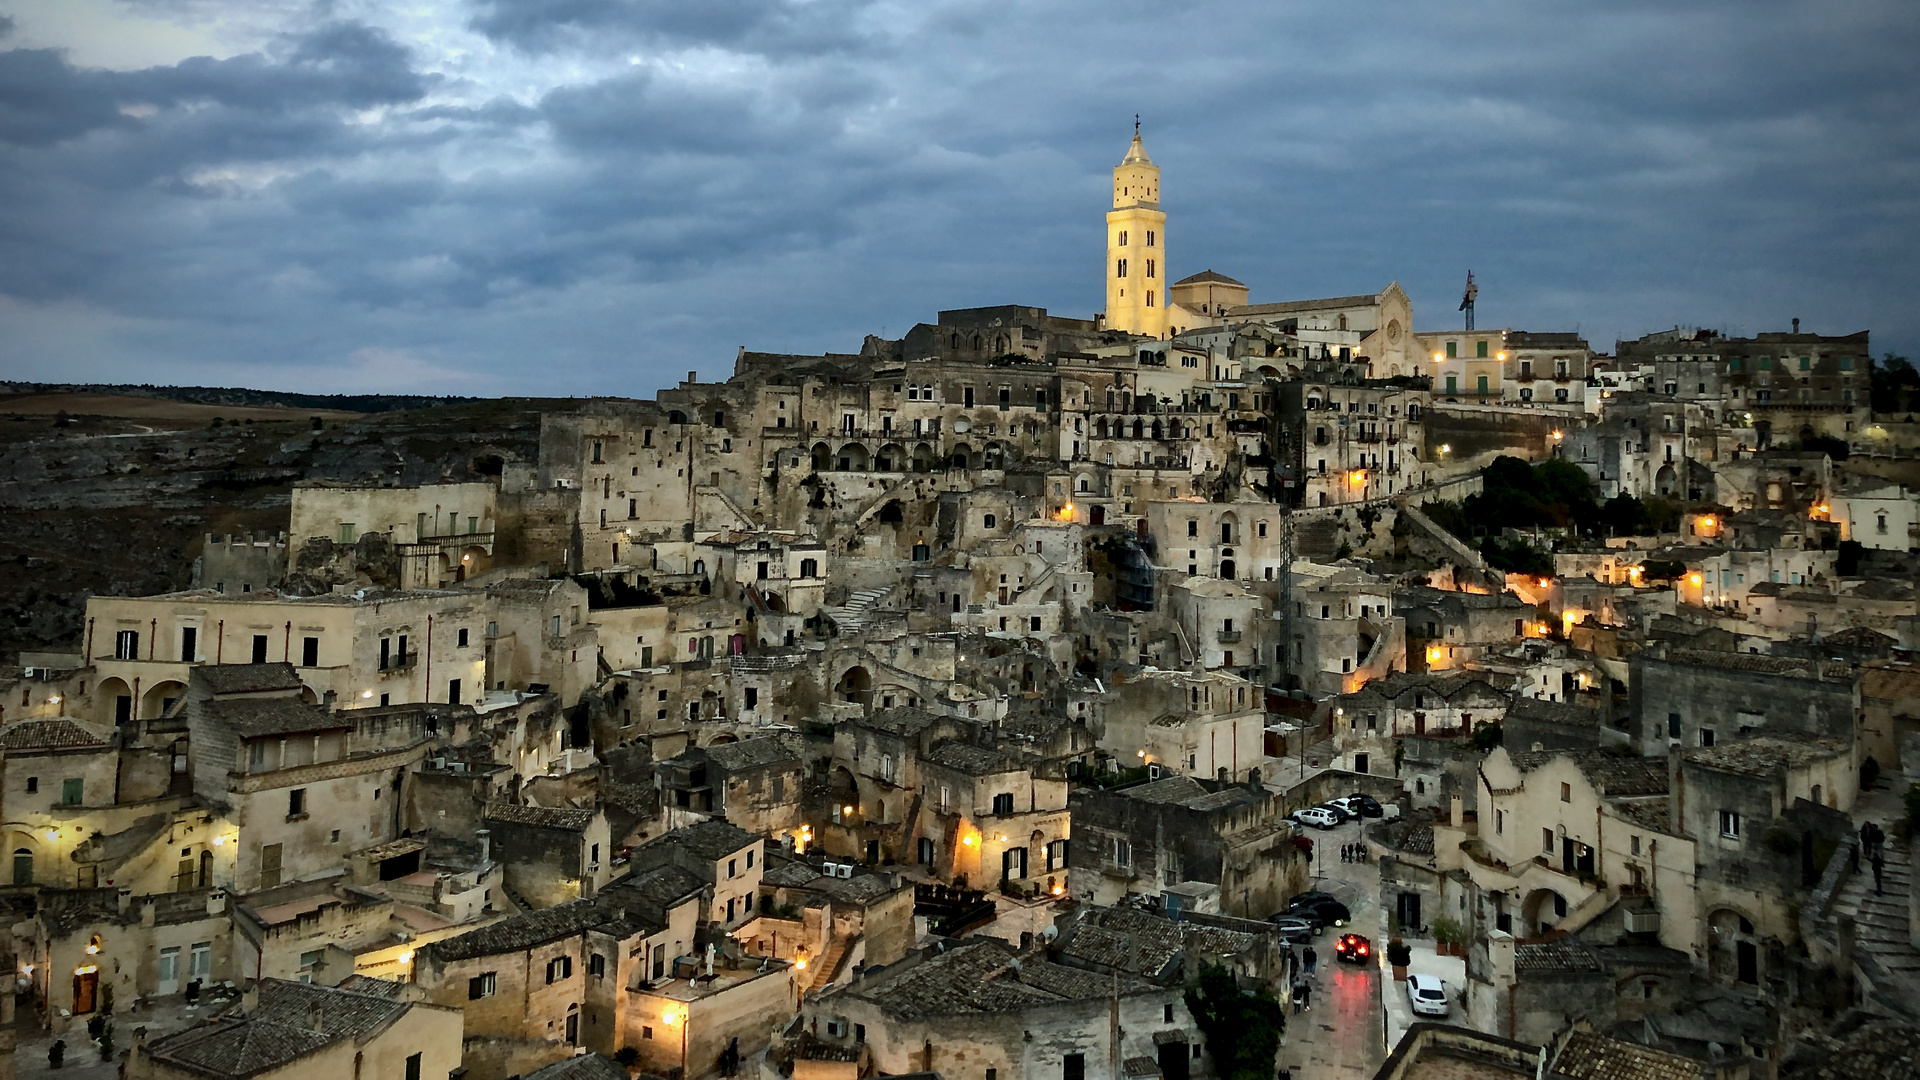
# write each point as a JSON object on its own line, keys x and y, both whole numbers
{"x": 596, "y": 196}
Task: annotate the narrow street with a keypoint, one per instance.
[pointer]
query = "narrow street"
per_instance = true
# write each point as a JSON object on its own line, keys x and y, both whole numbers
{"x": 1341, "y": 1035}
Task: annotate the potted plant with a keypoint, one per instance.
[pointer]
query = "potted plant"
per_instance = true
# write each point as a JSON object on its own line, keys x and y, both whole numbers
{"x": 1450, "y": 936}
{"x": 1398, "y": 957}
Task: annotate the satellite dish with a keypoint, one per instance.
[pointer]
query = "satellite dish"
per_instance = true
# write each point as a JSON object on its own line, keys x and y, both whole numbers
{"x": 963, "y": 425}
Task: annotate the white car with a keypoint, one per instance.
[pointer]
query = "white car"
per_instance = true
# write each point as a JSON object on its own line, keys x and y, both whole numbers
{"x": 1316, "y": 817}
{"x": 1427, "y": 994}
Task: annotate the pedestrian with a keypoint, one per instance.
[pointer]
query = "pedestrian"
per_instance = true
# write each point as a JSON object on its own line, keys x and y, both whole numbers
{"x": 1879, "y": 866}
{"x": 1312, "y": 958}
{"x": 1346, "y": 852}
{"x": 1306, "y": 996}
{"x": 1879, "y": 837}
{"x": 1299, "y": 995}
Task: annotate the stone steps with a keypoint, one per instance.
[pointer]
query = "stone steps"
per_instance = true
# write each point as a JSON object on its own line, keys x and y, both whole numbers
{"x": 1881, "y": 920}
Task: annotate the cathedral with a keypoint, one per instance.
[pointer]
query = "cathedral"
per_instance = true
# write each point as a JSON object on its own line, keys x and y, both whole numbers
{"x": 1374, "y": 327}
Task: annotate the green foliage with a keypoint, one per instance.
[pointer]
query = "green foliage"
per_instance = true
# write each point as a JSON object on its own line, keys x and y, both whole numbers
{"x": 1517, "y": 557}
{"x": 1847, "y": 562}
{"x": 627, "y": 1056}
{"x": 1398, "y": 953}
{"x": 1242, "y": 1029}
{"x": 1448, "y": 932}
{"x": 1837, "y": 449}
{"x": 1488, "y": 736}
{"x": 1894, "y": 384}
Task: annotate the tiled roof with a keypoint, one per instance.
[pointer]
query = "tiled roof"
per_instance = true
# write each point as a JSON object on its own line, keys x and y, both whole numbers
{"x": 247, "y": 678}
{"x": 969, "y": 759}
{"x": 983, "y": 976}
{"x": 1542, "y": 711}
{"x": 1171, "y": 789}
{"x": 1591, "y": 1056}
{"x": 582, "y": 1067}
{"x": 1610, "y": 773}
{"x": 751, "y": 753}
{"x": 1650, "y": 813}
{"x": 52, "y": 733}
{"x": 1766, "y": 755}
{"x": 1564, "y": 954}
{"x": 290, "y": 1021}
{"x": 1879, "y": 1049}
{"x": 253, "y": 718}
{"x": 524, "y": 931}
{"x": 565, "y": 818}
{"x": 1790, "y": 666}
{"x": 900, "y": 721}
{"x": 710, "y": 840}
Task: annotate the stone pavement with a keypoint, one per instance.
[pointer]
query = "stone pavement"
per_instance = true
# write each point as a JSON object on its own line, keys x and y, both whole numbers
{"x": 83, "y": 1054}
{"x": 1340, "y": 1037}
{"x": 1452, "y": 971}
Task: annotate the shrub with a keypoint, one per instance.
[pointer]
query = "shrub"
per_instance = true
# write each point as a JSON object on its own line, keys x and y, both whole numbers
{"x": 1242, "y": 1029}
{"x": 627, "y": 1056}
{"x": 1448, "y": 932}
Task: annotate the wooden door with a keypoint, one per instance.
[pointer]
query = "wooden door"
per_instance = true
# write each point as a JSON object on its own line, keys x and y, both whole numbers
{"x": 86, "y": 989}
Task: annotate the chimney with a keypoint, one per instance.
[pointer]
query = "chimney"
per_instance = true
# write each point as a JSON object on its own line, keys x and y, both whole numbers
{"x": 124, "y": 898}
{"x": 216, "y": 901}
{"x": 486, "y": 846}
{"x": 316, "y": 1017}
{"x": 147, "y": 911}
{"x": 1796, "y": 326}
{"x": 250, "y": 998}
{"x": 693, "y": 376}
{"x": 1455, "y": 807}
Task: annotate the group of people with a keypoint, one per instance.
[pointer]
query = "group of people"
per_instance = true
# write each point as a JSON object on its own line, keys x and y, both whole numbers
{"x": 1353, "y": 853}
{"x": 1873, "y": 844}
{"x": 1303, "y": 973}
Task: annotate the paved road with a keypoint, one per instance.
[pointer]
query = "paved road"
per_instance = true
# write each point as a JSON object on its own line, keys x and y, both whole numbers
{"x": 1340, "y": 1037}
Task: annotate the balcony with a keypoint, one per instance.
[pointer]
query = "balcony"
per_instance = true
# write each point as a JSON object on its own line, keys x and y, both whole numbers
{"x": 1228, "y": 637}
{"x": 400, "y": 663}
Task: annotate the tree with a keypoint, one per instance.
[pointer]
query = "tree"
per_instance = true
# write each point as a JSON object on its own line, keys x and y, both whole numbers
{"x": 1892, "y": 384}
{"x": 1662, "y": 569}
{"x": 1242, "y": 1029}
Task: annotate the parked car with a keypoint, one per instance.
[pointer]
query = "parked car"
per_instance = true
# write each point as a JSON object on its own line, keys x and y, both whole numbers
{"x": 1365, "y": 805}
{"x": 1311, "y": 894}
{"x": 1315, "y": 816}
{"x": 1354, "y": 949}
{"x": 1296, "y": 928}
{"x": 1328, "y": 910}
{"x": 1427, "y": 994}
{"x": 1338, "y": 807}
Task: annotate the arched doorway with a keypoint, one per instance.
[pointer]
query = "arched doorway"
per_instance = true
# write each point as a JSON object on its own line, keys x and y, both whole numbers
{"x": 1542, "y": 911}
{"x": 892, "y": 457}
{"x": 1733, "y": 954}
{"x": 855, "y": 686}
{"x": 116, "y": 701}
{"x": 161, "y": 697}
{"x": 853, "y": 458}
{"x": 962, "y": 456}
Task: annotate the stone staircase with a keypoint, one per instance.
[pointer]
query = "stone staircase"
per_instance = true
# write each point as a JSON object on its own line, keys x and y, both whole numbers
{"x": 1880, "y": 922}
{"x": 829, "y": 963}
{"x": 852, "y": 616}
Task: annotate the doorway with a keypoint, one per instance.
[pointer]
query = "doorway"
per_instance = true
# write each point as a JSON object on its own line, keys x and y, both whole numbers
{"x": 1360, "y": 763}
{"x": 169, "y": 971}
{"x": 86, "y": 989}
{"x": 1407, "y": 907}
{"x": 1747, "y": 959}
{"x": 1013, "y": 863}
{"x": 1174, "y": 1058}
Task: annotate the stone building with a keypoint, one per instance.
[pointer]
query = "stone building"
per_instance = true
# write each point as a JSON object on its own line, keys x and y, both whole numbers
{"x": 1141, "y": 839}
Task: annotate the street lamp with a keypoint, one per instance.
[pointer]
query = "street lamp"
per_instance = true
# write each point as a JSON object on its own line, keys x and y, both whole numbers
{"x": 677, "y": 1018}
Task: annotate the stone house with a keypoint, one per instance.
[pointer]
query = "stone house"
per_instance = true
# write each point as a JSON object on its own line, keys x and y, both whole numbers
{"x": 961, "y": 1008}
{"x": 551, "y": 854}
{"x": 281, "y": 1029}
{"x": 754, "y": 783}
{"x": 832, "y": 920}
{"x": 1139, "y": 839}
{"x": 96, "y": 950}
{"x": 1692, "y": 697}
{"x": 55, "y": 772}
{"x": 725, "y": 858}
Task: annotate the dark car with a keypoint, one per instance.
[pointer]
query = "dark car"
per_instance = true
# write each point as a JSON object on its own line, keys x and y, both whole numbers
{"x": 1296, "y": 928}
{"x": 1367, "y": 805}
{"x": 1329, "y": 911}
{"x": 1311, "y": 894}
{"x": 1354, "y": 949}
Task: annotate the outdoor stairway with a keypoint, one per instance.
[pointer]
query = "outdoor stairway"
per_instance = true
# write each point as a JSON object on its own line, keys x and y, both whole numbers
{"x": 851, "y": 617}
{"x": 829, "y": 963}
{"x": 1881, "y": 921}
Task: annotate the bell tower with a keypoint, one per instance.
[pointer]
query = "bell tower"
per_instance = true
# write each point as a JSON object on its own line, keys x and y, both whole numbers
{"x": 1136, "y": 246}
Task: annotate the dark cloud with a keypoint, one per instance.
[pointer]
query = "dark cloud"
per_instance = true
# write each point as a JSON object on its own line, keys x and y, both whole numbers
{"x": 658, "y": 183}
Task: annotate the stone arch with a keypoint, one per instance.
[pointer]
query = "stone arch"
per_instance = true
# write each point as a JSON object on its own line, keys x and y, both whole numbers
{"x": 676, "y": 417}
{"x": 855, "y": 685}
{"x": 723, "y": 738}
{"x": 111, "y": 692}
{"x": 922, "y": 457}
{"x": 1139, "y": 428}
{"x": 1227, "y": 569}
{"x": 773, "y": 601}
{"x": 853, "y": 457}
{"x": 1733, "y": 947}
{"x": 1542, "y": 910}
{"x": 891, "y": 458}
{"x": 994, "y": 457}
{"x": 1229, "y": 529}
{"x": 159, "y": 697}
{"x": 962, "y": 456}
{"x": 892, "y": 512}
{"x": 1665, "y": 480}
{"x": 822, "y": 457}
{"x": 1158, "y": 431}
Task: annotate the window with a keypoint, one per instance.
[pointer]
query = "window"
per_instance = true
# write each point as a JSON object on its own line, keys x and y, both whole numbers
{"x": 1566, "y": 793}
{"x": 1003, "y": 804}
{"x": 1673, "y": 725}
{"x": 1480, "y": 349}
{"x": 413, "y": 1067}
{"x": 597, "y": 966}
{"x": 346, "y": 532}
{"x": 462, "y": 638}
{"x": 1149, "y": 237}
{"x": 310, "y": 652}
{"x": 1073, "y": 1067}
{"x": 480, "y": 986}
{"x": 259, "y": 648}
{"x": 988, "y": 521}
{"x": 296, "y": 803}
{"x": 269, "y": 865}
{"x": 1706, "y": 736}
{"x": 33, "y": 784}
{"x": 1636, "y": 845}
{"x": 1149, "y": 297}
{"x": 1123, "y": 853}
{"x": 126, "y": 645}
{"x": 560, "y": 967}
{"x": 1500, "y": 822}
{"x": 1546, "y": 840}
{"x": 1730, "y": 824}
{"x": 1149, "y": 267}
{"x": 72, "y": 791}
{"x": 1453, "y": 349}
{"x": 1120, "y": 268}
{"x": 1033, "y": 623}
{"x": 189, "y": 639}
{"x": 453, "y": 691}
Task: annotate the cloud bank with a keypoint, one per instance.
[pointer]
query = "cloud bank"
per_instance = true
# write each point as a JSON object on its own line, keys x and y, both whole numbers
{"x": 596, "y": 196}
